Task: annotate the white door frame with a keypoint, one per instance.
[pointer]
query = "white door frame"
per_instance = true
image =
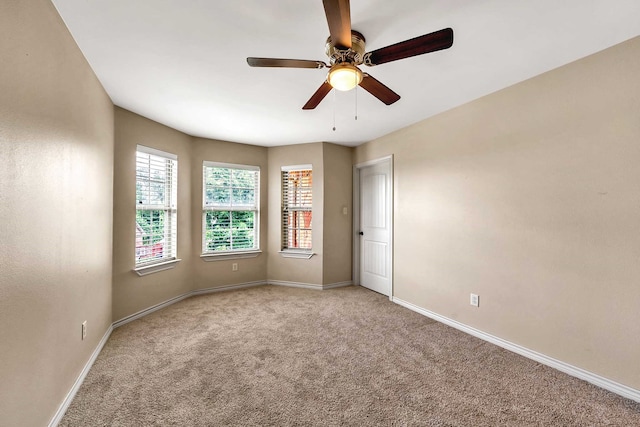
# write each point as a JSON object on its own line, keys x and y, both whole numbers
{"x": 356, "y": 218}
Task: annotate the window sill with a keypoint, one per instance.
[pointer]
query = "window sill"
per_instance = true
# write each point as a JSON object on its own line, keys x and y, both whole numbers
{"x": 143, "y": 270}
{"x": 296, "y": 254}
{"x": 208, "y": 257}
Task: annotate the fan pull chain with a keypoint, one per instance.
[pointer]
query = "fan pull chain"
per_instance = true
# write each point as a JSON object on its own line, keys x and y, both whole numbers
{"x": 334, "y": 110}
{"x": 355, "y": 78}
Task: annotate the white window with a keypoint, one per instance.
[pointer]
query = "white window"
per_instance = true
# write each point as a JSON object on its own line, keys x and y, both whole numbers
{"x": 230, "y": 213}
{"x": 156, "y": 207}
{"x": 297, "y": 199}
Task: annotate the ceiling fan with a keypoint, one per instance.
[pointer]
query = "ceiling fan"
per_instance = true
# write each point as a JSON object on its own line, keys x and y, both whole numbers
{"x": 346, "y": 50}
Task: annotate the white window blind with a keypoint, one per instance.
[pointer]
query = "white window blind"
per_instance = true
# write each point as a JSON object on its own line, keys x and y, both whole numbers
{"x": 230, "y": 208}
{"x": 156, "y": 206}
{"x": 297, "y": 200}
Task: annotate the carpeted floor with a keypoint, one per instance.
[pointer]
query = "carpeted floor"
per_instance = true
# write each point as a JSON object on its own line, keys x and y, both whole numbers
{"x": 275, "y": 356}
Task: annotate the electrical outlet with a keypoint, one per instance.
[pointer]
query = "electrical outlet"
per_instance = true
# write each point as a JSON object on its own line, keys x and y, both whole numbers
{"x": 234, "y": 266}
{"x": 84, "y": 329}
{"x": 474, "y": 300}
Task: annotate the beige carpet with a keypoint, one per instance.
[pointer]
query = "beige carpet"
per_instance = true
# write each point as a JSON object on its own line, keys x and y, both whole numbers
{"x": 283, "y": 356}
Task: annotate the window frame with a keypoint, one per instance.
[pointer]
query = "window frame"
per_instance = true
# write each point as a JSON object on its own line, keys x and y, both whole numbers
{"x": 285, "y": 250}
{"x": 213, "y": 255}
{"x": 169, "y": 206}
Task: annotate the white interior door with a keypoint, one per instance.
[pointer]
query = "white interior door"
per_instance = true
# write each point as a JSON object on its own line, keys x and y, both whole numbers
{"x": 375, "y": 227}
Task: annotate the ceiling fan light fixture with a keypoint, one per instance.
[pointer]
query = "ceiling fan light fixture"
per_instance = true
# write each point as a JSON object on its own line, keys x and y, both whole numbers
{"x": 344, "y": 76}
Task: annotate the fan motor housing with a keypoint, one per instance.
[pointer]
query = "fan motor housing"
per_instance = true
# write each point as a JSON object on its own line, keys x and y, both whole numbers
{"x": 353, "y": 55}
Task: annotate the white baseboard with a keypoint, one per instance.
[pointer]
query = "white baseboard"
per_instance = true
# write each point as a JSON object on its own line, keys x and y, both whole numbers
{"x": 612, "y": 386}
{"x": 178, "y": 298}
{"x": 337, "y": 285}
{"x": 309, "y": 285}
{"x": 76, "y": 385}
{"x": 149, "y": 310}
{"x": 295, "y": 284}
{"x": 228, "y": 287}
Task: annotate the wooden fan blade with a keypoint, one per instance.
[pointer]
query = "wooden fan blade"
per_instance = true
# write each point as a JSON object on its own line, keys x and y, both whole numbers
{"x": 431, "y": 42}
{"x": 339, "y": 19}
{"x": 317, "y": 97}
{"x": 288, "y": 63}
{"x": 377, "y": 89}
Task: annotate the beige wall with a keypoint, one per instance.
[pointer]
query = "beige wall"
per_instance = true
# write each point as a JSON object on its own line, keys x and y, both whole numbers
{"x": 332, "y": 168}
{"x": 338, "y": 175}
{"x": 133, "y": 293}
{"x": 56, "y": 146}
{"x": 308, "y": 271}
{"x": 207, "y": 274}
{"x": 529, "y": 197}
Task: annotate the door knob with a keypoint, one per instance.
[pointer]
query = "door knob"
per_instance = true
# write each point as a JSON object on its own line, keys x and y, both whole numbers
{"x": 361, "y": 233}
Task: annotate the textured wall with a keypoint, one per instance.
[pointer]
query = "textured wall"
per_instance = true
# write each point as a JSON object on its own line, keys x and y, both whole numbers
{"x": 219, "y": 273}
{"x": 56, "y": 146}
{"x": 338, "y": 194}
{"x": 529, "y": 197}
{"x": 132, "y": 293}
{"x": 293, "y": 269}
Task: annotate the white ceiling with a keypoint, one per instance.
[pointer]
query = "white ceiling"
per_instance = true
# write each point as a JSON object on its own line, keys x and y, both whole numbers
{"x": 183, "y": 62}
